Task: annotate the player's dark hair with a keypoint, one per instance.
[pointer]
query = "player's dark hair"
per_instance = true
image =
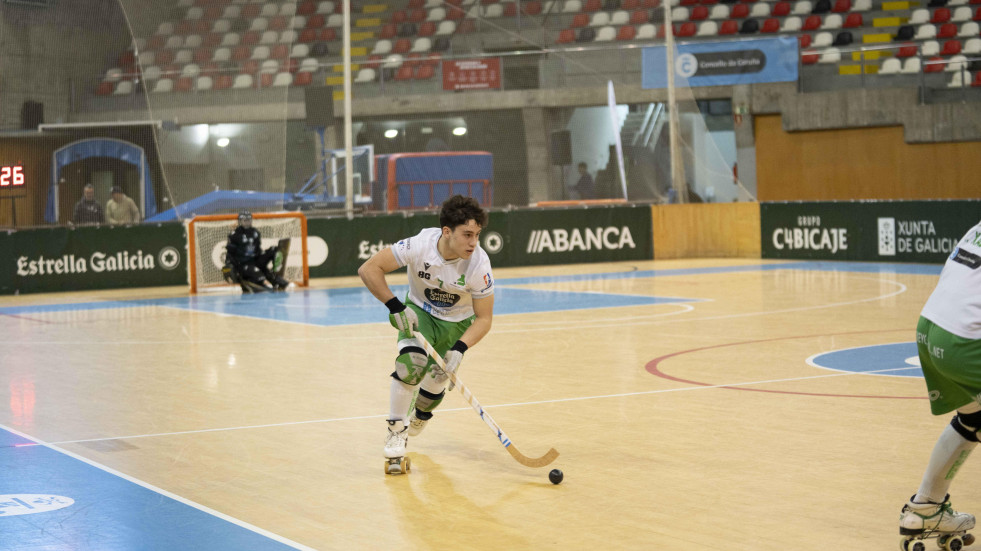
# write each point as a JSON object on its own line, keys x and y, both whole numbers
{"x": 458, "y": 209}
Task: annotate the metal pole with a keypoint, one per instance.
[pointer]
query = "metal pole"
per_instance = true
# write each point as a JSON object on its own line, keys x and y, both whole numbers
{"x": 348, "y": 155}
{"x": 677, "y": 168}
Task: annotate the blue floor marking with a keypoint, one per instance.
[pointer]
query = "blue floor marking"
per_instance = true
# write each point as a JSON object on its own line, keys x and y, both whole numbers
{"x": 110, "y": 513}
{"x": 892, "y": 360}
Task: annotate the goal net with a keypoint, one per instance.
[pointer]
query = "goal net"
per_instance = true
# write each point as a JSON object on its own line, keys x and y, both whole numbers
{"x": 207, "y": 236}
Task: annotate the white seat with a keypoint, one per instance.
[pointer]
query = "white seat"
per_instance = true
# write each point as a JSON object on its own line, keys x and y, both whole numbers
{"x": 572, "y": 6}
{"x": 925, "y": 32}
{"x": 969, "y": 29}
{"x": 891, "y": 66}
{"x": 972, "y": 46}
{"x": 620, "y": 17}
{"x": 221, "y": 26}
{"x": 919, "y": 16}
{"x": 599, "y": 19}
{"x": 802, "y": 7}
{"x": 719, "y": 11}
{"x": 139, "y": 43}
{"x": 232, "y": 12}
{"x": 423, "y": 44}
{"x": 436, "y": 14}
{"x": 830, "y": 55}
{"x": 708, "y": 28}
{"x": 287, "y": 9}
{"x": 760, "y": 9}
{"x": 231, "y": 39}
{"x": 646, "y": 31}
{"x": 269, "y": 37}
{"x": 393, "y": 61}
{"x": 259, "y": 24}
{"x": 862, "y": 5}
{"x": 832, "y": 21}
{"x": 961, "y": 14}
{"x": 791, "y": 24}
{"x": 269, "y": 66}
{"x": 191, "y": 70}
{"x": 242, "y": 81}
{"x": 185, "y": 3}
{"x": 283, "y": 79}
{"x": 163, "y": 86}
{"x": 114, "y": 74}
{"x": 678, "y": 14}
{"x": 298, "y": 22}
{"x": 165, "y": 28}
{"x": 175, "y": 41}
{"x": 493, "y": 10}
{"x": 956, "y": 3}
{"x": 606, "y": 34}
{"x": 289, "y": 36}
{"x": 367, "y": 74}
{"x": 822, "y": 39}
{"x": 309, "y": 65}
{"x": 911, "y": 66}
{"x": 222, "y": 54}
{"x": 325, "y": 8}
{"x": 335, "y": 20}
{"x": 957, "y": 63}
{"x": 957, "y": 80}
{"x": 433, "y": 4}
{"x": 382, "y": 47}
{"x": 192, "y": 41}
{"x": 183, "y": 56}
{"x": 151, "y": 72}
{"x": 930, "y": 48}
{"x": 300, "y": 50}
{"x": 269, "y": 9}
{"x": 147, "y": 58}
{"x": 124, "y": 87}
{"x": 260, "y": 53}
{"x": 204, "y": 83}
{"x": 446, "y": 27}
{"x": 194, "y": 13}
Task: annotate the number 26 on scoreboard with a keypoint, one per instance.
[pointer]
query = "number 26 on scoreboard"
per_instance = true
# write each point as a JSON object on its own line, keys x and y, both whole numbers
{"x": 11, "y": 176}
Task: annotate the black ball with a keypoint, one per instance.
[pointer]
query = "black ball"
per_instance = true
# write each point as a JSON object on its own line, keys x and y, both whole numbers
{"x": 555, "y": 476}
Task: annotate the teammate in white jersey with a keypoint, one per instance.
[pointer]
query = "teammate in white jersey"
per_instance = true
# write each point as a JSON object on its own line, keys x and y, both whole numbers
{"x": 948, "y": 339}
{"x": 450, "y": 302}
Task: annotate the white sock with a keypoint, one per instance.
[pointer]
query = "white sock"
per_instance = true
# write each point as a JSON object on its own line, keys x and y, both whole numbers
{"x": 948, "y": 454}
{"x": 400, "y": 400}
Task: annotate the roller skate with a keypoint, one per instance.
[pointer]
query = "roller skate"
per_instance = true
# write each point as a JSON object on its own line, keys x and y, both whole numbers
{"x": 919, "y": 522}
{"x": 395, "y": 460}
{"x": 416, "y": 422}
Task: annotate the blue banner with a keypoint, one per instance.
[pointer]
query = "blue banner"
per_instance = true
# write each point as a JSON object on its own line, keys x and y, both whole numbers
{"x": 722, "y": 63}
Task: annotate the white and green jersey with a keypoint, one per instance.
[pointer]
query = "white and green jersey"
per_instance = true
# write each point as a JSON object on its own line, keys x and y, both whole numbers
{"x": 444, "y": 288}
{"x": 955, "y": 304}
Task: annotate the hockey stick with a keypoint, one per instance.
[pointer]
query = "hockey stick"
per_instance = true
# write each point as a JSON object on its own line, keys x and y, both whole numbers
{"x": 549, "y": 456}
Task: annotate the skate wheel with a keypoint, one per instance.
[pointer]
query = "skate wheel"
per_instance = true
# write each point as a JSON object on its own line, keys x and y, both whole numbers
{"x": 950, "y": 542}
{"x": 405, "y": 465}
{"x": 968, "y": 539}
{"x": 910, "y": 544}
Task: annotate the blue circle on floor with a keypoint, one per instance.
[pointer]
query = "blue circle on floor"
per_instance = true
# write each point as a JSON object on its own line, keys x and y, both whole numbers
{"x": 890, "y": 360}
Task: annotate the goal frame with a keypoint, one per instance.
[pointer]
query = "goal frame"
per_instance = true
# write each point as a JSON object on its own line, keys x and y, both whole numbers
{"x": 192, "y": 241}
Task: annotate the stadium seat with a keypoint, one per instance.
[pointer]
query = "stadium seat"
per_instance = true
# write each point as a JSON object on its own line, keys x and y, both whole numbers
{"x": 821, "y": 7}
{"x": 739, "y": 11}
{"x": 123, "y": 87}
{"x": 192, "y": 70}
{"x": 422, "y": 45}
{"x": 781, "y": 9}
{"x": 165, "y": 29}
{"x": 853, "y": 20}
{"x": 165, "y": 57}
{"x": 961, "y": 14}
{"x": 602, "y": 19}
{"x": 832, "y": 21}
{"x": 287, "y": 9}
{"x": 269, "y": 37}
{"x": 891, "y": 66}
{"x": 626, "y": 32}
{"x": 911, "y": 66}
{"x": 809, "y": 57}
{"x": 812, "y": 23}
{"x": 183, "y": 56}
{"x": 366, "y": 74}
{"x": 192, "y": 41}
{"x": 289, "y": 36}
{"x": 842, "y": 6}
{"x": 728, "y": 27}
{"x": 580, "y": 20}
{"x": 204, "y": 83}
{"x": 647, "y": 31}
{"x": 423, "y": 72}
{"x": 428, "y": 28}
{"x": 493, "y": 11}
{"x": 698, "y": 13}
{"x": 114, "y": 74}
{"x": 956, "y": 63}
{"x": 951, "y": 47}
{"x": 790, "y": 24}
{"x": 586, "y": 34}
{"x": 242, "y": 81}
{"x": 919, "y": 16}
{"x": 105, "y": 88}
{"x": 685, "y": 29}
{"x": 445, "y": 28}
{"x": 278, "y": 23}
{"x": 592, "y": 5}
{"x": 925, "y": 32}
{"x": 802, "y": 7}
{"x": 823, "y": 40}
{"x": 282, "y": 79}
{"x": 231, "y": 39}
{"x": 830, "y": 55}
{"x": 771, "y": 25}
{"x": 307, "y": 8}
{"x": 930, "y": 48}
{"x": 972, "y": 46}
{"x": 174, "y": 41}
{"x": 335, "y": 20}
{"x": 707, "y": 28}
{"x": 299, "y": 51}
{"x": 163, "y": 86}
{"x": 862, "y": 5}
{"x": 222, "y": 82}
{"x": 844, "y": 38}
{"x": 947, "y": 30}
{"x": 325, "y": 7}
{"x": 908, "y": 50}
{"x": 760, "y": 10}
{"x": 296, "y": 22}
{"x": 260, "y": 53}
{"x": 749, "y": 26}
{"x": 151, "y": 73}
{"x": 639, "y": 17}
{"x": 940, "y": 15}
{"x": 719, "y": 11}
{"x": 269, "y": 66}
{"x": 803, "y": 41}
{"x": 302, "y": 79}
{"x": 606, "y": 34}
{"x": 621, "y": 17}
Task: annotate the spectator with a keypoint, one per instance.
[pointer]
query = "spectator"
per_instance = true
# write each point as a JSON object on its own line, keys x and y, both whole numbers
{"x": 120, "y": 209}
{"x": 87, "y": 209}
{"x": 585, "y": 187}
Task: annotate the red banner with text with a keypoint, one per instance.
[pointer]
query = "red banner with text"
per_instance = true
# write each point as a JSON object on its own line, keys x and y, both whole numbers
{"x": 472, "y": 74}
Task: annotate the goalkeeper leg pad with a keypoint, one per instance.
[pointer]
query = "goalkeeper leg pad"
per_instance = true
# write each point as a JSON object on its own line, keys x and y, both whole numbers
{"x": 411, "y": 365}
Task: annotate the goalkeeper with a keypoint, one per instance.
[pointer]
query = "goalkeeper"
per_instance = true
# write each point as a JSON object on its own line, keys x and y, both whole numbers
{"x": 450, "y": 302}
{"x": 245, "y": 261}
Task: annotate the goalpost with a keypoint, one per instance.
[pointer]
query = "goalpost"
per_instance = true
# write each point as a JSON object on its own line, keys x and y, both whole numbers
{"x": 207, "y": 236}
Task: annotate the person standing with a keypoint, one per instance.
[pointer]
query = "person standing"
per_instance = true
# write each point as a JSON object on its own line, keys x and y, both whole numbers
{"x": 585, "y": 187}
{"x": 450, "y": 303}
{"x": 120, "y": 209}
{"x": 948, "y": 340}
{"x": 87, "y": 209}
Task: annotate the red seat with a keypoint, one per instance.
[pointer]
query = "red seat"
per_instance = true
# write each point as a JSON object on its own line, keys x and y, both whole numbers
{"x": 250, "y": 38}
{"x": 427, "y": 29}
{"x": 809, "y": 58}
{"x": 510, "y": 10}
{"x": 906, "y": 51}
{"x": 306, "y": 8}
{"x": 401, "y": 46}
{"x": 278, "y": 23}
{"x": 804, "y": 40}
{"x": 251, "y": 11}
{"x": 657, "y": 3}
{"x": 415, "y": 16}
{"x": 698, "y": 13}
{"x": 156, "y": 41}
{"x": 853, "y": 20}
{"x": 200, "y": 27}
{"x": 639, "y": 17}
{"x": 399, "y": 17}
{"x": 729, "y": 27}
{"x": 485, "y": 2}
{"x": 212, "y": 40}
{"x": 593, "y": 5}
{"x": 404, "y": 73}
{"x": 316, "y": 21}
{"x": 210, "y": 69}
{"x": 412, "y": 59}
{"x": 771, "y": 26}
{"x": 686, "y": 29}
{"x": 291, "y": 65}
{"x": 842, "y": 6}
{"x": 947, "y": 30}
{"x": 308, "y": 35}
{"x": 626, "y": 32}
{"x": 212, "y": 13}
{"x": 105, "y": 88}
{"x": 202, "y": 55}
{"x": 629, "y": 4}
{"x": 303, "y": 79}
{"x": 535, "y": 7}
{"x": 566, "y": 36}
{"x": 127, "y": 59}
{"x": 455, "y": 13}
{"x": 328, "y": 34}
{"x": 416, "y": 4}
{"x": 977, "y": 79}
{"x": 689, "y": 2}
{"x": 781, "y": 9}
{"x": 241, "y": 52}
{"x": 580, "y": 20}
{"x": 250, "y": 67}
{"x": 164, "y": 57}
{"x": 739, "y": 11}
{"x": 812, "y": 23}
{"x": 185, "y": 26}
{"x": 940, "y": 15}
{"x": 977, "y": 14}
{"x": 424, "y": 72}
{"x": 387, "y": 31}
{"x": 266, "y": 80}
{"x": 184, "y": 84}
{"x": 951, "y": 47}
{"x": 934, "y": 65}
{"x": 280, "y": 51}
{"x": 223, "y": 82}
{"x": 465, "y": 26}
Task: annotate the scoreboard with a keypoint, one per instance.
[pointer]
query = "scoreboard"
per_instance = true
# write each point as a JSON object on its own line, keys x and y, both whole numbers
{"x": 11, "y": 175}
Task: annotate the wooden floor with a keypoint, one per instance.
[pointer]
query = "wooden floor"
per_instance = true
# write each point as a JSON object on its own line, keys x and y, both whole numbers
{"x": 697, "y": 424}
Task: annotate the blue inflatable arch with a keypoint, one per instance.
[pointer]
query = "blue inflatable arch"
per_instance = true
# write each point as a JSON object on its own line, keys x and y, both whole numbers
{"x": 101, "y": 147}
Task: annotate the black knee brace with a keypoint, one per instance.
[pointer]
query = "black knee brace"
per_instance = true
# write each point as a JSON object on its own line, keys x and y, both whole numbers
{"x": 967, "y": 425}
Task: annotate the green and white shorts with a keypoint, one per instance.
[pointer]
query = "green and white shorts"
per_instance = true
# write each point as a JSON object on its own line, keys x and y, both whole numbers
{"x": 441, "y": 334}
{"x": 951, "y": 366}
